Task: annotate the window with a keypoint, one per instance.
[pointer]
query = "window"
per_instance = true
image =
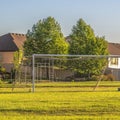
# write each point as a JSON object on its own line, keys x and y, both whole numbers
{"x": 114, "y": 61}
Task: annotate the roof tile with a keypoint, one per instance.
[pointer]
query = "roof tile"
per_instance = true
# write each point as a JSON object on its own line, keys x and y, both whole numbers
{"x": 11, "y": 42}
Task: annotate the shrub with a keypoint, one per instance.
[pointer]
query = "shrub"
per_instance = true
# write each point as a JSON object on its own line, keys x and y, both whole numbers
{"x": 108, "y": 77}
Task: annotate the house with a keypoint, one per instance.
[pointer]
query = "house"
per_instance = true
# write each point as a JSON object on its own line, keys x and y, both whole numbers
{"x": 10, "y": 43}
{"x": 114, "y": 63}
{"x": 114, "y": 49}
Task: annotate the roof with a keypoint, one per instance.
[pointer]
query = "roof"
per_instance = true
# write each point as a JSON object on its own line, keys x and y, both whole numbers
{"x": 114, "y": 48}
{"x": 12, "y": 42}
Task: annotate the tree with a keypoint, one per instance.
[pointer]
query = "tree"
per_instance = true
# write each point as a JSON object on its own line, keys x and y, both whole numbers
{"x": 45, "y": 38}
{"x": 18, "y": 56}
{"x": 84, "y": 42}
{"x": 17, "y": 60}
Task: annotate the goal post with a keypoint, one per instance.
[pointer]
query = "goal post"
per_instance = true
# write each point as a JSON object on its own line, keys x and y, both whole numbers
{"x": 55, "y": 67}
{"x": 33, "y": 73}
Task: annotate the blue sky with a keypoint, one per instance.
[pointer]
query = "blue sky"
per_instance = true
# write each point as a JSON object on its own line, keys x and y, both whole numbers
{"x": 103, "y": 15}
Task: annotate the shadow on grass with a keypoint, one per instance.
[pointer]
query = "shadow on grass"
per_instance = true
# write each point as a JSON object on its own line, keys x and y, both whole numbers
{"x": 27, "y": 92}
{"x": 14, "y": 92}
{"x": 58, "y": 112}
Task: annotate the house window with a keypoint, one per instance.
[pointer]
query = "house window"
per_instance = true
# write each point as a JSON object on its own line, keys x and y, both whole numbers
{"x": 114, "y": 61}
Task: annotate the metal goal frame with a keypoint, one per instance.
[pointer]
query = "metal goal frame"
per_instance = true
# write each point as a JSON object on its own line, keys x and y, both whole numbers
{"x": 34, "y": 56}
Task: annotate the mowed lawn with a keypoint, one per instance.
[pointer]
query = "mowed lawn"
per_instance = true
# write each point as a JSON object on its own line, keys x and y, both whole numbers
{"x": 61, "y": 101}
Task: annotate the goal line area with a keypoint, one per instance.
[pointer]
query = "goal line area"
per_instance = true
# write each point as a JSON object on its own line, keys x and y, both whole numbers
{"x": 53, "y": 67}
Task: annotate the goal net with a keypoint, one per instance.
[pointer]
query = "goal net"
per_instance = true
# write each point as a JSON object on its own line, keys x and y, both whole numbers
{"x": 52, "y": 67}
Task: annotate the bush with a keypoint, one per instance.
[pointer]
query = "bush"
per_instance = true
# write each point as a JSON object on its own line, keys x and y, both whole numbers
{"x": 108, "y": 77}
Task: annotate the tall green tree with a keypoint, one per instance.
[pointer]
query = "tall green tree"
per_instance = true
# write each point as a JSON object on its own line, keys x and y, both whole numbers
{"x": 45, "y": 38}
{"x": 84, "y": 42}
{"x": 82, "y": 39}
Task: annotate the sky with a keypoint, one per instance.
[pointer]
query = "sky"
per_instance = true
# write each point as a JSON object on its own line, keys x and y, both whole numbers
{"x": 18, "y": 16}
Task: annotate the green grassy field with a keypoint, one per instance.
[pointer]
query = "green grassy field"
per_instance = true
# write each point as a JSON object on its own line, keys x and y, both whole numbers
{"x": 61, "y": 101}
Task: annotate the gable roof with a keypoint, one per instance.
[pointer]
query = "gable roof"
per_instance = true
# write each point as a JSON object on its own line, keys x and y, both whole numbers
{"x": 114, "y": 48}
{"x": 12, "y": 42}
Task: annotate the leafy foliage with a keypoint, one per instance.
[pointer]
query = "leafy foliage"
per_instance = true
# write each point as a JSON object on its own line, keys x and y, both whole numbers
{"x": 84, "y": 42}
{"x": 2, "y": 69}
{"x": 82, "y": 38}
{"x": 18, "y": 56}
{"x": 45, "y": 38}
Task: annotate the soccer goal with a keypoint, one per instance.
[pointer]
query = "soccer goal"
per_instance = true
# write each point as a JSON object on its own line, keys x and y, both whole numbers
{"x": 53, "y": 67}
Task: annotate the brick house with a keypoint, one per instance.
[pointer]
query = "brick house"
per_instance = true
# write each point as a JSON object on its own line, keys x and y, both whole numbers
{"x": 10, "y": 43}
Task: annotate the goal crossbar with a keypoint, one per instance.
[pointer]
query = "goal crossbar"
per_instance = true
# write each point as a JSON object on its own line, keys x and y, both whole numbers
{"x": 67, "y": 55}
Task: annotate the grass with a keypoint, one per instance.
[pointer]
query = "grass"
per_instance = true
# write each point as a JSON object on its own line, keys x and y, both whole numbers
{"x": 61, "y": 101}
